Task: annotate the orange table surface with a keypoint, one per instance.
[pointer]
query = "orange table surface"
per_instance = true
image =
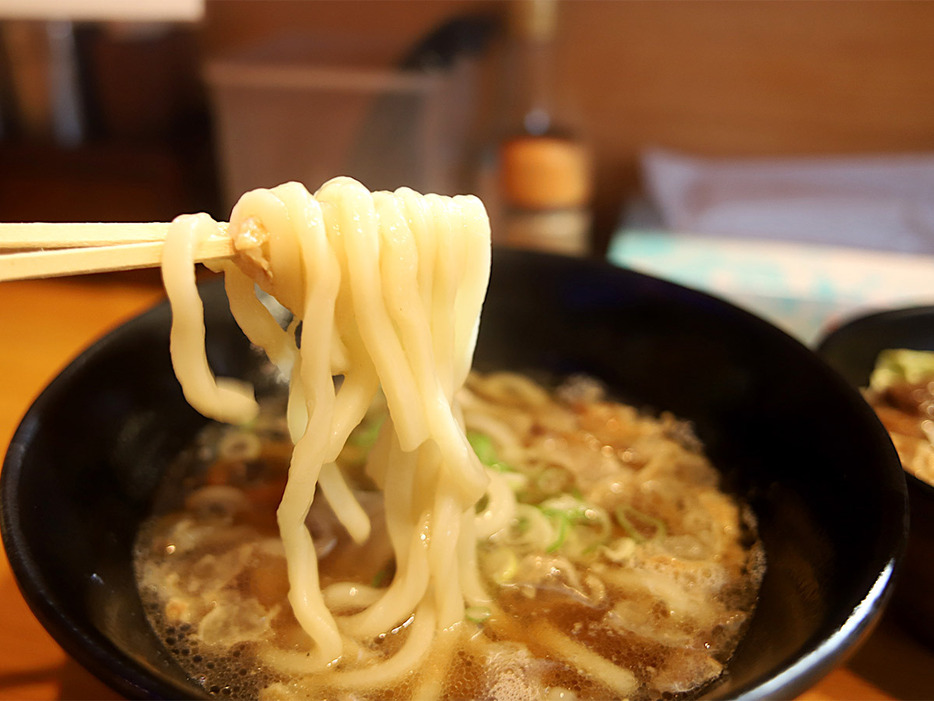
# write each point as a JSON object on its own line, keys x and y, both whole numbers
{"x": 44, "y": 324}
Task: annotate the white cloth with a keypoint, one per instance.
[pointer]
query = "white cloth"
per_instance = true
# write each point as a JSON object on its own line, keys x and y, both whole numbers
{"x": 870, "y": 202}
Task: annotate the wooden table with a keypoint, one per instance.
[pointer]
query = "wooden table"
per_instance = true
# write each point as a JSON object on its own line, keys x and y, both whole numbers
{"x": 43, "y": 324}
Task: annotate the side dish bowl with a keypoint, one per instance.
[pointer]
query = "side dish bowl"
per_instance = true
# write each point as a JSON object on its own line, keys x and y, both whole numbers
{"x": 852, "y": 349}
{"x": 789, "y": 434}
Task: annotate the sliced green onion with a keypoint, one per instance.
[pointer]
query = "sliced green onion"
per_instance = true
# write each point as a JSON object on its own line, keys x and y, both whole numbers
{"x": 563, "y": 527}
{"x": 482, "y": 445}
{"x": 532, "y": 528}
{"x": 516, "y": 481}
{"x": 576, "y": 520}
{"x": 366, "y": 434}
{"x": 379, "y": 578}
{"x": 597, "y": 518}
{"x": 593, "y": 547}
{"x": 501, "y": 564}
{"x": 477, "y": 614}
{"x": 623, "y": 514}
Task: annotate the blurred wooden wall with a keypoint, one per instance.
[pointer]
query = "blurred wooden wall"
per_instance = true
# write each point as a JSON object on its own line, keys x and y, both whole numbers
{"x": 749, "y": 78}
{"x": 712, "y": 77}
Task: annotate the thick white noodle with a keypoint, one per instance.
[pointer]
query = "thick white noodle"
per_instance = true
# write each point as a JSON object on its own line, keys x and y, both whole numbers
{"x": 388, "y": 288}
{"x": 224, "y": 399}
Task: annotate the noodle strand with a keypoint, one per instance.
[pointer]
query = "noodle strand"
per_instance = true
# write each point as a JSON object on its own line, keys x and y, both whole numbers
{"x": 387, "y": 289}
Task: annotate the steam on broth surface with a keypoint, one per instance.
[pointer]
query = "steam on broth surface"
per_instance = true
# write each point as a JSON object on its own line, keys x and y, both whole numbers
{"x": 624, "y": 572}
{"x": 386, "y": 531}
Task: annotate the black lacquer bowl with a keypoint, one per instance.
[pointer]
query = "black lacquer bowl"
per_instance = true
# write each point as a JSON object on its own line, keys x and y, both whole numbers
{"x": 852, "y": 348}
{"x": 790, "y": 435}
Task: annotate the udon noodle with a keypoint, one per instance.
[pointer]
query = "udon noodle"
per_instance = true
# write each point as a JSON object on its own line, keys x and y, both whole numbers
{"x": 564, "y": 541}
{"x": 388, "y": 287}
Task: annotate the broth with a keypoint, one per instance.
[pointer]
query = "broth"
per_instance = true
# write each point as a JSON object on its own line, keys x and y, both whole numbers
{"x": 623, "y": 572}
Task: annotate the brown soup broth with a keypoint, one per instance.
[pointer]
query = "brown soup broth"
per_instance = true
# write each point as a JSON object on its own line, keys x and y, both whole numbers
{"x": 632, "y": 552}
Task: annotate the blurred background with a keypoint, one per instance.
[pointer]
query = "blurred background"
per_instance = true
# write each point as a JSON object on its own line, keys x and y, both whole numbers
{"x": 777, "y": 153}
{"x": 644, "y": 115}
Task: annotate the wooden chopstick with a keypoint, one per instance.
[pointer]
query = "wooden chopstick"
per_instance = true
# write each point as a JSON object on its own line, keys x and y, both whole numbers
{"x": 36, "y": 235}
{"x": 53, "y": 250}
